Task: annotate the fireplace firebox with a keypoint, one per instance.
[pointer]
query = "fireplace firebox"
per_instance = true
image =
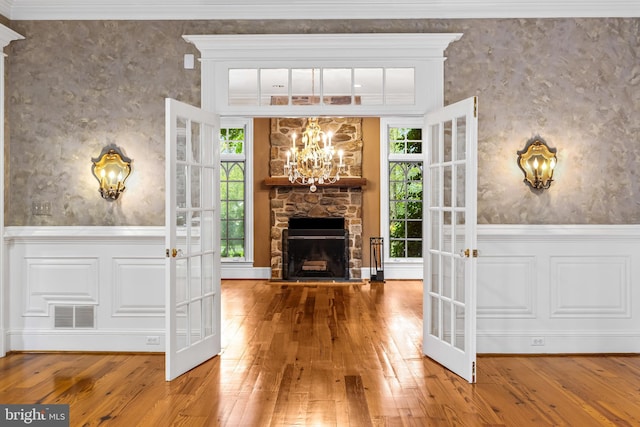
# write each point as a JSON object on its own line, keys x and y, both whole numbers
{"x": 315, "y": 249}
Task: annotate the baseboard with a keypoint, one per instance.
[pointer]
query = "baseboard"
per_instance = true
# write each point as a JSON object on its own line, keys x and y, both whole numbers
{"x": 89, "y": 340}
{"x": 557, "y": 342}
{"x": 243, "y": 271}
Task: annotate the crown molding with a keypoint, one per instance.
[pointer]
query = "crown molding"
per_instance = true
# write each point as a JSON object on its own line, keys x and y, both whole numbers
{"x": 313, "y": 9}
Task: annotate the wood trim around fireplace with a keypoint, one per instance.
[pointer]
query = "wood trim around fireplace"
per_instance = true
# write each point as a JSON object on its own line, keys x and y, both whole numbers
{"x": 346, "y": 182}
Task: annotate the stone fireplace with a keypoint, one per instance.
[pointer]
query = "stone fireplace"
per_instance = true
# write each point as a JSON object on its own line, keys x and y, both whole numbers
{"x": 341, "y": 201}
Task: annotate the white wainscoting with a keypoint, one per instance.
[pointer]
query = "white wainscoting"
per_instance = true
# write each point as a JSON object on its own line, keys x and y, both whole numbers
{"x": 573, "y": 289}
{"x": 119, "y": 271}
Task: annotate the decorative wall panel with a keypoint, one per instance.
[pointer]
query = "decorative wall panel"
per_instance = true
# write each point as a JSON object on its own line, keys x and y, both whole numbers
{"x": 52, "y": 280}
{"x": 506, "y": 287}
{"x": 138, "y": 287}
{"x": 590, "y": 286}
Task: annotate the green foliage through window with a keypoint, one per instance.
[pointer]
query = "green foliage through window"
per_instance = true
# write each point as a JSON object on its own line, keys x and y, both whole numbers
{"x": 232, "y": 194}
{"x": 405, "y": 193}
{"x": 232, "y": 140}
{"x": 405, "y": 140}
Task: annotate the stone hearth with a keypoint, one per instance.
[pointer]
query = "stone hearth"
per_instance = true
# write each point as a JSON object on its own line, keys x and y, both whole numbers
{"x": 326, "y": 202}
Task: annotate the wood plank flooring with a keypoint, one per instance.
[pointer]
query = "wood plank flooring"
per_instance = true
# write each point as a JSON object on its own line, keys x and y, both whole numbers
{"x": 346, "y": 355}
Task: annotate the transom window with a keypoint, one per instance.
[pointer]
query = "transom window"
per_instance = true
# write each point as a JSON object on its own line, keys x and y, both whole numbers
{"x": 321, "y": 86}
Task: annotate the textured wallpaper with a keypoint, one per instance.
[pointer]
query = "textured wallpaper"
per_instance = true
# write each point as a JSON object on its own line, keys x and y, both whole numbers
{"x": 76, "y": 86}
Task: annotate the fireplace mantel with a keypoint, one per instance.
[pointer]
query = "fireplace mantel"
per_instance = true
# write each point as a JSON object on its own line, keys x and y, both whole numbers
{"x": 346, "y": 182}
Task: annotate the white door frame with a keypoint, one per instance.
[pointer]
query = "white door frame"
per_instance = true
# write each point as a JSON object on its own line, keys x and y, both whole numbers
{"x": 222, "y": 53}
{"x": 6, "y": 36}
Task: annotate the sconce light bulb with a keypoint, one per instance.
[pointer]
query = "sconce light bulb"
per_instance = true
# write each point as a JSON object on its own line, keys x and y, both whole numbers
{"x": 552, "y": 164}
{"x": 535, "y": 163}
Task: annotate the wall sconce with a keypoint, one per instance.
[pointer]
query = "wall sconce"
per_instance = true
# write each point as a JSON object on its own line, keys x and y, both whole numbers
{"x": 111, "y": 168}
{"x": 537, "y": 161}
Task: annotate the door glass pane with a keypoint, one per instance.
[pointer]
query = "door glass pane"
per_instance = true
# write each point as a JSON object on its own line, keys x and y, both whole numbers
{"x": 435, "y": 186}
{"x": 181, "y": 242}
{"x": 195, "y": 231}
{"x": 181, "y": 280}
{"x": 243, "y": 87}
{"x": 447, "y": 186}
{"x": 274, "y": 86}
{"x": 435, "y": 229}
{"x": 460, "y": 185}
{"x": 458, "y": 233}
{"x": 195, "y": 320}
{"x": 459, "y": 331}
{"x": 207, "y": 271}
{"x": 196, "y": 276}
{"x": 337, "y": 85}
{"x": 448, "y": 141}
{"x": 435, "y": 316}
{"x": 196, "y": 184}
{"x": 207, "y": 314}
{"x": 447, "y": 326}
{"x": 368, "y": 86}
{"x": 182, "y": 327}
{"x": 181, "y": 139}
{"x": 207, "y": 236}
{"x": 447, "y": 276}
{"x": 305, "y": 86}
{"x": 181, "y": 188}
{"x": 196, "y": 139}
{"x": 460, "y": 280}
{"x": 434, "y": 285}
{"x": 399, "y": 86}
{"x": 436, "y": 156}
{"x": 461, "y": 138}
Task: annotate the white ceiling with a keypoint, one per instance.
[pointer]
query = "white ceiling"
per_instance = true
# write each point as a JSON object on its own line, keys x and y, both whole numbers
{"x": 313, "y": 9}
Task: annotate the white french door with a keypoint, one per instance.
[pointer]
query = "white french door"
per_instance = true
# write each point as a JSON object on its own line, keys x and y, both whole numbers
{"x": 192, "y": 238}
{"x": 449, "y": 298}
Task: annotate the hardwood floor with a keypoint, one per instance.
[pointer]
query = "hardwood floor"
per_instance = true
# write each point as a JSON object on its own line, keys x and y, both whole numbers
{"x": 326, "y": 356}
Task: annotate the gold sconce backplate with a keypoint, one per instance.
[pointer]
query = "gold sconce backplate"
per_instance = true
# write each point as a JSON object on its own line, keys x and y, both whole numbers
{"x": 111, "y": 168}
{"x": 537, "y": 161}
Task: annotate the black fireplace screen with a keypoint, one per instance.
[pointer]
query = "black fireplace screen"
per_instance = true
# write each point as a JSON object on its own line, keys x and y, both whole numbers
{"x": 315, "y": 248}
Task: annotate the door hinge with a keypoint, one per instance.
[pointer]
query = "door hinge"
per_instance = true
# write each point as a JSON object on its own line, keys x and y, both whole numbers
{"x": 473, "y": 371}
{"x": 475, "y": 107}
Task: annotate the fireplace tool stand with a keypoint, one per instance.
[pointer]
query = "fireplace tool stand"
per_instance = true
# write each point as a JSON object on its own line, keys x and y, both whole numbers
{"x": 376, "y": 259}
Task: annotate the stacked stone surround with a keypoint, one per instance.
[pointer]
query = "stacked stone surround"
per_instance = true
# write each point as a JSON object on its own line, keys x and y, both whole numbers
{"x": 326, "y": 202}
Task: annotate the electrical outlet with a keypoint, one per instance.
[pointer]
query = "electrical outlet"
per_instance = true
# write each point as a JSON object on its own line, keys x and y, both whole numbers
{"x": 153, "y": 340}
{"x": 537, "y": 341}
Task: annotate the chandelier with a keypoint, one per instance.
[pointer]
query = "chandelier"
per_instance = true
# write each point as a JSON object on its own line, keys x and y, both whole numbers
{"x": 311, "y": 163}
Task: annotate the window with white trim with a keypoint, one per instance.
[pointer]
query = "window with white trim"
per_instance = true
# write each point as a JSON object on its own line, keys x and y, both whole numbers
{"x": 236, "y": 192}
{"x": 402, "y": 189}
